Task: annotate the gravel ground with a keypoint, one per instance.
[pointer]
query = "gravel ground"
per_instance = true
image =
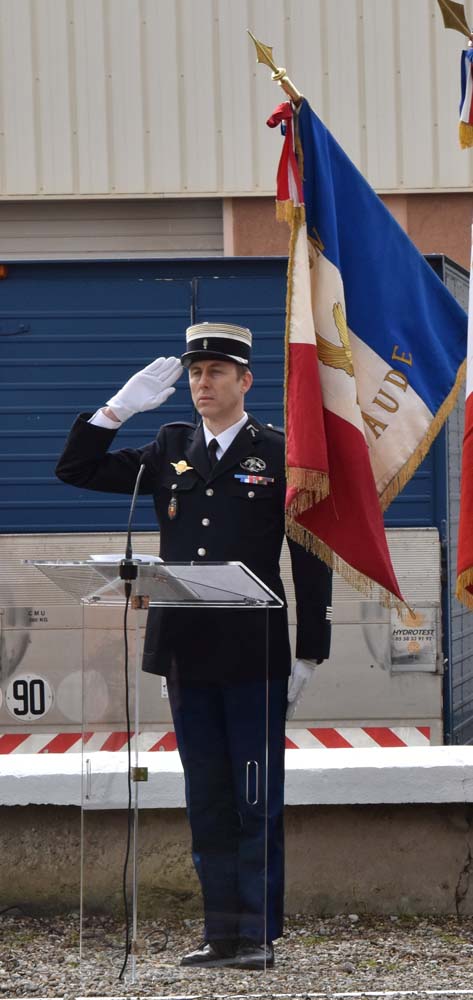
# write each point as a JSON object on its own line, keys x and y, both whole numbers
{"x": 39, "y": 957}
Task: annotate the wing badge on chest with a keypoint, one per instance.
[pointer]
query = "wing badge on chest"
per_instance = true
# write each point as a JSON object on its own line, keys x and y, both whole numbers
{"x": 253, "y": 464}
{"x": 182, "y": 466}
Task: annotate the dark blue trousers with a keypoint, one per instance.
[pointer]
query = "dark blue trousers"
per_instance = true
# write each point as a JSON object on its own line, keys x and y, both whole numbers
{"x": 221, "y": 736}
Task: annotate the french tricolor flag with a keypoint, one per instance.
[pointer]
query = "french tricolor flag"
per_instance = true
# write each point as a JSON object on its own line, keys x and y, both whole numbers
{"x": 466, "y": 102}
{"x": 465, "y": 531}
{"x": 374, "y": 360}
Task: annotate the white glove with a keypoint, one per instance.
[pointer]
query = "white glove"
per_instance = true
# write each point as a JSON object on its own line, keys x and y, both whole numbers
{"x": 301, "y": 672}
{"x": 147, "y": 389}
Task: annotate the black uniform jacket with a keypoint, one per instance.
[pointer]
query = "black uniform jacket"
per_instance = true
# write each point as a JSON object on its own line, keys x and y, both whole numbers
{"x": 213, "y": 516}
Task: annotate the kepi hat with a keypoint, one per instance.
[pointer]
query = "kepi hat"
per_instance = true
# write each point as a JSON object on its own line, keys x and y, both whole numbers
{"x": 223, "y": 341}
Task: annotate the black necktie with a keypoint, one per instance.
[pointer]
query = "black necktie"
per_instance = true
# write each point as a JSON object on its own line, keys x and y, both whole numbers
{"x": 212, "y": 452}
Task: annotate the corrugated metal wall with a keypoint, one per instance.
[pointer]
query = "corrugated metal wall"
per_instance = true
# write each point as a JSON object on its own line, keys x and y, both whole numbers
{"x": 71, "y": 333}
{"x": 171, "y": 227}
{"x": 459, "y": 633}
{"x": 110, "y": 98}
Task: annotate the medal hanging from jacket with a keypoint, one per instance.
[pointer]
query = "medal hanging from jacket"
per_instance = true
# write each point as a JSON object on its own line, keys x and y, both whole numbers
{"x": 172, "y": 508}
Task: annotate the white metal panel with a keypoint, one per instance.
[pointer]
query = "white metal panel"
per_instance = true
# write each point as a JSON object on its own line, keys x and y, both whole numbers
{"x": 90, "y": 97}
{"x": 198, "y": 106}
{"x": 113, "y": 229}
{"x": 161, "y": 96}
{"x": 142, "y": 97}
{"x": 381, "y": 79}
{"x": 265, "y": 97}
{"x": 416, "y": 96}
{"x": 345, "y": 52}
{"x": 123, "y": 63}
{"x": 307, "y": 53}
{"x": 55, "y": 111}
{"x": 18, "y": 101}
{"x": 237, "y": 74}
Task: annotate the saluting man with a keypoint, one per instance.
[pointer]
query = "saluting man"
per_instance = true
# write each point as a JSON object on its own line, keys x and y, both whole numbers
{"x": 219, "y": 490}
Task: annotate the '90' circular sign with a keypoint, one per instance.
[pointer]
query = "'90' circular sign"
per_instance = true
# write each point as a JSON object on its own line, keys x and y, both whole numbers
{"x": 28, "y": 697}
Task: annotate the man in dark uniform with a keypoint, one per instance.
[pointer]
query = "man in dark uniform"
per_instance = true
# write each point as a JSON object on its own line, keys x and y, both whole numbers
{"x": 219, "y": 490}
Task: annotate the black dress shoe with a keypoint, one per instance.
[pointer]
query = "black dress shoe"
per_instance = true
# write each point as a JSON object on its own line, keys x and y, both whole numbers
{"x": 253, "y": 956}
{"x": 211, "y": 954}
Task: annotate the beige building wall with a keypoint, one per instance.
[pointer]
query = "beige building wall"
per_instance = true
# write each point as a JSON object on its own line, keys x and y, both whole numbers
{"x": 436, "y": 223}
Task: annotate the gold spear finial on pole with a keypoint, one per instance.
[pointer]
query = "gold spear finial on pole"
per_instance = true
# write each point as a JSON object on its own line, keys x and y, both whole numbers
{"x": 264, "y": 54}
{"x": 454, "y": 17}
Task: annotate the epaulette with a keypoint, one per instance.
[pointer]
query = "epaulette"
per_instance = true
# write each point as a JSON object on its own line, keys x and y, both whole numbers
{"x": 279, "y": 430}
{"x": 180, "y": 423}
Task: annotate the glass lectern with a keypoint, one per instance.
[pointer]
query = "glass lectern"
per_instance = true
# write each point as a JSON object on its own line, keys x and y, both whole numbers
{"x": 117, "y": 756}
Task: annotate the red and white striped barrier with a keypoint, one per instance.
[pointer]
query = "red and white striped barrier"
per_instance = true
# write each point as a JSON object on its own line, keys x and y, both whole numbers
{"x": 364, "y": 736}
{"x": 296, "y": 739}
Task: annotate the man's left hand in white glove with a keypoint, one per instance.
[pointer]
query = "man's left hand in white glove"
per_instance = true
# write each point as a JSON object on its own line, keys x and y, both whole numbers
{"x": 301, "y": 672}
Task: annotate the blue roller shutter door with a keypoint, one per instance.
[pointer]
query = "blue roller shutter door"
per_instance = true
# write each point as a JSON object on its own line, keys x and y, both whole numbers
{"x": 72, "y": 333}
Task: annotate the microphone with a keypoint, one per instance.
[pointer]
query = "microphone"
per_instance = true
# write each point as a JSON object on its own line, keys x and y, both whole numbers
{"x": 129, "y": 569}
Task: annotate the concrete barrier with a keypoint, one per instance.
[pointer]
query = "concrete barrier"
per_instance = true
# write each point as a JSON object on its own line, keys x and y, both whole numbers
{"x": 313, "y": 777}
{"x": 381, "y": 831}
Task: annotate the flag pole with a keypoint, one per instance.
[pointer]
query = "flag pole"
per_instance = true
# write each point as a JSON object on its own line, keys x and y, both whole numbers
{"x": 264, "y": 54}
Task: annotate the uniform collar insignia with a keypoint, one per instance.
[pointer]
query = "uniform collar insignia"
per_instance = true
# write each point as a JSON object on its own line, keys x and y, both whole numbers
{"x": 181, "y": 466}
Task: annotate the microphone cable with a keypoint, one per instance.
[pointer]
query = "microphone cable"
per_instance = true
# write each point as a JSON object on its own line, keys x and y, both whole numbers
{"x": 128, "y": 573}
{"x": 129, "y": 805}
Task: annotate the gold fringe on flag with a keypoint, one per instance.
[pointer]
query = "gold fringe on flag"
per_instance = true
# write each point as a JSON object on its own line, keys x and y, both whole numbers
{"x": 311, "y": 481}
{"x": 352, "y": 576}
{"x": 464, "y": 581}
{"x": 287, "y": 211}
{"x": 400, "y": 480}
{"x": 306, "y": 498}
{"x": 465, "y": 132}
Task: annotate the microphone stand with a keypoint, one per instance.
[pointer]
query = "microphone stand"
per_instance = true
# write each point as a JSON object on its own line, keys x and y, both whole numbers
{"x": 129, "y": 569}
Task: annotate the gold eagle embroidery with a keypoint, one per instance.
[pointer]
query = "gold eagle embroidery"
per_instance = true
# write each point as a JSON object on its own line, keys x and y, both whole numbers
{"x": 331, "y": 354}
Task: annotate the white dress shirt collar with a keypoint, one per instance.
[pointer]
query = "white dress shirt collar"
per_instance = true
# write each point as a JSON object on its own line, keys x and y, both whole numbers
{"x": 226, "y": 437}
